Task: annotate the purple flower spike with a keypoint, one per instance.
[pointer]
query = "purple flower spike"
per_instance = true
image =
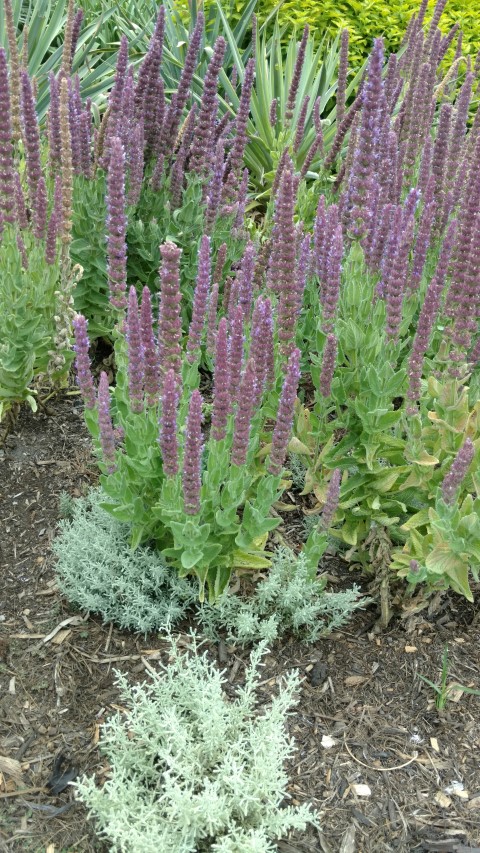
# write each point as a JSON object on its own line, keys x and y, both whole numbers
{"x": 235, "y": 355}
{"x": 423, "y": 236}
{"x": 342, "y": 76}
{"x": 85, "y": 139}
{"x": 282, "y": 258}
{"x": 245, "y": 276}
{"x": 41, "y": 209}
{"x": 192, "y": 456}
{"x": 316, "y": 146}
{"x": 269, "y": 346}
{"x": 425, "y": 165}
{"x": 212, "y": 319}
{"x": 437, "y": 14}
{"x": 114, "y": 128}
{"x": 281, "y": 277}
{"x": 135, "y": 175}
{"x": 221, "y": 384}
{"x": 440, "y": 157}
{"x": 284, "y": 159}
{"x": 7, "y": 188}
{"x": 31, "y": 137}
{"x": 150, "y": 352}
{"x": 168, "y": 425}
{"x": 177, "y": 176}
{"x": 116, "y": 226}
{"x": 22, "y": 250}
{"x": 396, "y": 280}
{"x": 74, "y": 112}
{"x": 241, "y": 121}
{"x": 300, "y": 130}
{"x": 201, "y": 149}
{"x": 462, "y": 300}
{"x": 135, "y": 354}
{"x": 170, "y": 322}
{"x": 126, "y": 121}
{"x": 259, "y": 345}
{"x": 243, "y": 417}
{"x": 242, "y": 194}
{"x": 200, "y": 301}
{"x": 272, "y": 116}
{"x": 154, "y": 113}
{"x": 179, "y": 98}
{"x": 331, "y": 500}
{"x": 331, "y": 288}
{"x": 54, "y": 124}
{"x": 149, "y": 70}
{"x": 380, "y": 236}
{"x": 319, "y": 239}
{"x": 77, "y": 26}
{"x": 297, "y": 73}
{"x": 328, "y": 365}
{"x": 82, "y": 361}
{"x": 460, "y": 122}
{"x": 283, "y": 424}
{"x": 219, "y": 264}
{"x": 20, "y": 208}
{"x": 427, "y": 318}
{"x": 54, "y": 223}
{"x": 303, "y": 264}
{"x": 107, "y": 435}
{"x": 51, "y": 241}
{"x": 342, "y": 129}
{"x": 458, "y": 471}
{"x": 358, "y": 213}
{"x": 214, "y": 193}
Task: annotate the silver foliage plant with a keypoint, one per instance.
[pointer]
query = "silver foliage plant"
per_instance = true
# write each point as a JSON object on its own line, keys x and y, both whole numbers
{"x": 287, "y": 599}
{"x": 191, "y": 771}
{"x": 98, "y": 571}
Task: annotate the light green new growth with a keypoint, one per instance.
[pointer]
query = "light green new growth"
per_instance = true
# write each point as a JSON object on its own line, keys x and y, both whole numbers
{"x": 193, "y": 772}
{"x": 98, "y": 571}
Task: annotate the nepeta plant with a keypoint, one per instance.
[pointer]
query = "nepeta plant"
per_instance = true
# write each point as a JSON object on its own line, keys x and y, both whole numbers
{"x": 391, "y": 319}
{"x": 38, "y": 279}
{"x": 191, "y": 770}
{"x": 203, "y": 500}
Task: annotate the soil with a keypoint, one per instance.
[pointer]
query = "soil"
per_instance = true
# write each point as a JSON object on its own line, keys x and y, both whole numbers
{"x": 384, "y": 769}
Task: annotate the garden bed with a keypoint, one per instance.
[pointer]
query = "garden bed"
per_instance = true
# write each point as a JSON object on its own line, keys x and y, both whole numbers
{"x": 382, "y": 767}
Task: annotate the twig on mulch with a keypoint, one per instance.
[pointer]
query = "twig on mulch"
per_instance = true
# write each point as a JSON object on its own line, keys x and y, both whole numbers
{"x": 381, "y": 769}
{"x": 22, "y": 792}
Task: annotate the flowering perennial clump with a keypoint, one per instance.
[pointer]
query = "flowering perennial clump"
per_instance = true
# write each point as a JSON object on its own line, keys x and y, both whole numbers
{"x": 338, "y": 322}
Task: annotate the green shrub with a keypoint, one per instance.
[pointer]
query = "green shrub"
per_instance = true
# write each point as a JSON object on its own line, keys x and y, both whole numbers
{"x": 192, "y": 771}
{"x": 366, "y": 19}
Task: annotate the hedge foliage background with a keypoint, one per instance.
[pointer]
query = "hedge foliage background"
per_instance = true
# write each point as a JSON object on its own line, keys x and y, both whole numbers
{"x": 365, "y": 19}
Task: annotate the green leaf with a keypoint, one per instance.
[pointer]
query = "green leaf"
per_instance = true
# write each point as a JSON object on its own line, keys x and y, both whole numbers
{"x": 442, "y": 561}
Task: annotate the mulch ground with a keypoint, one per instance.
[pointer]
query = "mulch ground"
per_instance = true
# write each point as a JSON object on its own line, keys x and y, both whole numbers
{"x": 384, "y": 769}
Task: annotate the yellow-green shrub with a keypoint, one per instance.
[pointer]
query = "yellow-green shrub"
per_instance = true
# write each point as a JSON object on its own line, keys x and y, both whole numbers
{"x": 365, "y": 19}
